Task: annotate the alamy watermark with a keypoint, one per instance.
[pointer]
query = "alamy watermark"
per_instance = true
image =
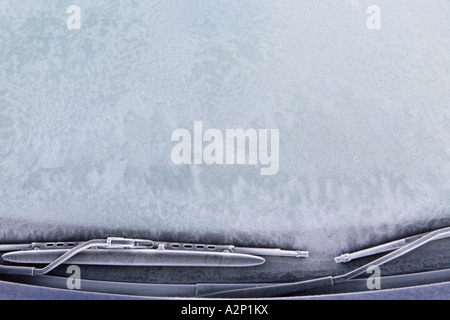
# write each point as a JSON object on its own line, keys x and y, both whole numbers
{"x": 74, "y": 280}
{"x": 74, "y": 20}
{"x": 374, "y": 20}
{"x": 235, "y": 146}
{"x": 374, "y": 281}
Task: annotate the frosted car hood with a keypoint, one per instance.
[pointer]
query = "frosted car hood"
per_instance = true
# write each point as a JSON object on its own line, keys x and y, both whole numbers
{"x": 86, "y": 119}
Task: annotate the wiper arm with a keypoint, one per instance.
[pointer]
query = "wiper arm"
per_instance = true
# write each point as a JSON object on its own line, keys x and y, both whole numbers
{"x": 386, "y": 247}
{"x": 58, "y": 261}
{"x": 132, "y": 252}
{"x": 267, "y": 291}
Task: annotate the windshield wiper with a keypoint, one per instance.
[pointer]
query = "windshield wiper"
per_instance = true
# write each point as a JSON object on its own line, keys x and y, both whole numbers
{"x": 133, "y": 252}
{"x": 277, "y": 290}
{"x": 214, "y": 290}
{"x": 386, "y": 247}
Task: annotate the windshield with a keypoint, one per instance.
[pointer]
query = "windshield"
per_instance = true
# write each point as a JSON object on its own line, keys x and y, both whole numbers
{"x": 128, "y": 124}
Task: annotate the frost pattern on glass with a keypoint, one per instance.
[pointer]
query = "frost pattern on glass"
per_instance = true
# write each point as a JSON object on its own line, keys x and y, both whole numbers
{"x": 86, "y": 115}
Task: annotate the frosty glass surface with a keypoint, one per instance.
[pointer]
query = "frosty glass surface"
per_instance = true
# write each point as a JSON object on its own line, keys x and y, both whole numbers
{"x": 86, "y": 116}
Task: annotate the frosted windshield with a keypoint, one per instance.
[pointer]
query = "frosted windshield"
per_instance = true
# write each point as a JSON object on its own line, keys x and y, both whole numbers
{"x": 89, "y": 117}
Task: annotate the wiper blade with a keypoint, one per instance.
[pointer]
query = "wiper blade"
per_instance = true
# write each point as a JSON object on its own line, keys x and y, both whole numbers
{"x": 132, "y": 252}
{"x": 277, "y": 290}
{"x": 258, "y": 290}
{"x": 386, "y": 247}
